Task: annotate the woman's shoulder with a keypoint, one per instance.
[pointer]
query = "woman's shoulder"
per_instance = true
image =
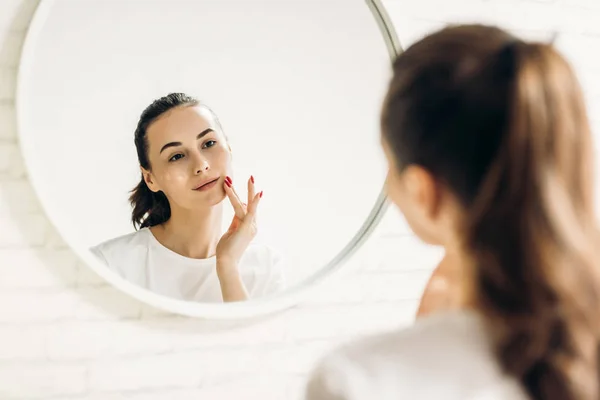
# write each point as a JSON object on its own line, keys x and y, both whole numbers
{"x": 445, "y": 355}
{"x": 262, "y": 253}
{"x": 264, "y": 269}
{"x": 429, "y": 335}
{"x": 119, "y": 244}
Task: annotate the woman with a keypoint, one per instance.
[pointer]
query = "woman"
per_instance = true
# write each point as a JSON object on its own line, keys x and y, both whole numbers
{"x": 490, "y": 155}
{"x": 179, "y": 250}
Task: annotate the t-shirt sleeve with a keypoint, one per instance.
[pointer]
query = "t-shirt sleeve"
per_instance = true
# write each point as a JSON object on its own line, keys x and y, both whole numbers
{"x": 97, "y": 251}
{"x": 106, "y": 256}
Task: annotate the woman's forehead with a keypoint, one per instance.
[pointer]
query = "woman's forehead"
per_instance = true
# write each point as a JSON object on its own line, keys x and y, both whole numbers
{"x": 180, "y": 123}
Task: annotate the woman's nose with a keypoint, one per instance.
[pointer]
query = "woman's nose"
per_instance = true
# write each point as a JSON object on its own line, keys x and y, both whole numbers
{"x": 201, "y": 165}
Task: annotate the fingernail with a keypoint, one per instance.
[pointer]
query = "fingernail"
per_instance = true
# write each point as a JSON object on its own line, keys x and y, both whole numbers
{"x": 252, "y": 178}
{"x": 261, "y": 193}
{"x": 228, "y": 183}
{"x": 228, "y": 179}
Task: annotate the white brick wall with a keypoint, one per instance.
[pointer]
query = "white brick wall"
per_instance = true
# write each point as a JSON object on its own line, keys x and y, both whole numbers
{"x": 65, "y": 334}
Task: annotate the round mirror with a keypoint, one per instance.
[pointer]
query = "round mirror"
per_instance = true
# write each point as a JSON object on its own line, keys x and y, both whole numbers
{"x": 150, "y": 130}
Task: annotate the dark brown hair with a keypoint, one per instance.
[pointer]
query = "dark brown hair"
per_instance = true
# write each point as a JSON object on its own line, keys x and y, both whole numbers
{"x": 501, "y": 122}
{"x": 152, "y": 208}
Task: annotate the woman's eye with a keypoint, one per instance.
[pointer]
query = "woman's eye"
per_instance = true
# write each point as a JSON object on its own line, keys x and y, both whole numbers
{"x": 210, "y": 143}
{"x": 176, "y": 157}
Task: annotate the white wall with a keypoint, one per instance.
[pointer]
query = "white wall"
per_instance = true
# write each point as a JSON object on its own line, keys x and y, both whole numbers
{"x": 66, "y": 334}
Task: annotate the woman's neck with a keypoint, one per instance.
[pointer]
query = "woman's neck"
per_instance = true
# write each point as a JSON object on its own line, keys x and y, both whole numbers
{"x": 458, "y": 265}
{"x": 191, "y": 233}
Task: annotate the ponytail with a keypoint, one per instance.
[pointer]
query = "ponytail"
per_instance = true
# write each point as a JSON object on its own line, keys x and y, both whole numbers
{"x": 533, "y": 234}
{"x": 149, "y": 208}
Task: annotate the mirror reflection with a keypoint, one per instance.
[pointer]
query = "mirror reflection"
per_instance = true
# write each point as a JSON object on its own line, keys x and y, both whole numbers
{"x": 178, "y": 249}
{"x": 151, "y": 133}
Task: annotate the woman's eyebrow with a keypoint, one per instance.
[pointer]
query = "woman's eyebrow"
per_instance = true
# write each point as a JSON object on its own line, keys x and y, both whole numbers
{"x": 175, "y": 144}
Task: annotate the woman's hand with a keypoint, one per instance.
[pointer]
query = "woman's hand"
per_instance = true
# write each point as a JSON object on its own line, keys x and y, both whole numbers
{"x": 243, "y": 228}
{"x": 235, "y": 241}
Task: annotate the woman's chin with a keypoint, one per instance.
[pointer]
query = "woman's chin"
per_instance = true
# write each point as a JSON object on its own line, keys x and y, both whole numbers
{"x": 216, "y": 197}
{"x": 208, "y": 200}
{"x": 222, "y": 196}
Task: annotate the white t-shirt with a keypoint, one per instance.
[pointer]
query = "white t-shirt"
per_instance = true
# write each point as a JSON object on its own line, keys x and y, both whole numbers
{"x": 141, "y": 259}
{"x": 442, "y": 356}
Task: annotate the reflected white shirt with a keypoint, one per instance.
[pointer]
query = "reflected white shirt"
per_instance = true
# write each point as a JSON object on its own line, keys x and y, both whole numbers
{"x": 141, "y": 259}
{"x": 442, "y": 356}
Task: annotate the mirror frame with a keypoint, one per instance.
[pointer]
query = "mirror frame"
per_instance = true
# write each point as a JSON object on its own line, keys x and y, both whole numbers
{"x": 219, "y": 311}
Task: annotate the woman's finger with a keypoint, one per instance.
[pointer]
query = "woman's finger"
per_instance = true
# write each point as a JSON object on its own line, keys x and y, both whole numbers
{"x": 238, "y": 207}
{"x": 250, "y": 220}
{"x": 253, "y": 206}
{"x": 233, "y": 189}
{"x": 251, "y": 189}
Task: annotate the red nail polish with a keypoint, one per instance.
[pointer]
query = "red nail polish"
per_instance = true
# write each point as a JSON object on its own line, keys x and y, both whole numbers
{"x": 261, "y": 193}
{"x": 228, "y": 183}
{"x": 252, "y": 178}
{"x": 228, "y": 179}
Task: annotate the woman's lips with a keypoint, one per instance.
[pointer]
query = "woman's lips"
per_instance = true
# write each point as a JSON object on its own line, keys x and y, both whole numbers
{"x": 207, "y": 186}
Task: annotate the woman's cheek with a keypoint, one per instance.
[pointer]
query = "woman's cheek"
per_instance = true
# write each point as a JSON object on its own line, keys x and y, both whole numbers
{"x": 226, "y": 158}
{"x": 174, "y": 177}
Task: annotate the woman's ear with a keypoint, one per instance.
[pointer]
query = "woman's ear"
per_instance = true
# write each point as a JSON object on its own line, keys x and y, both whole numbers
{"x": 149, "y": 179}
{"x": 423, "y": 188}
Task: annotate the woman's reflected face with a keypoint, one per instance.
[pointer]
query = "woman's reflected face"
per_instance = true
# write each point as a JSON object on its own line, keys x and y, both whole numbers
{"x": 189, "y": 157}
